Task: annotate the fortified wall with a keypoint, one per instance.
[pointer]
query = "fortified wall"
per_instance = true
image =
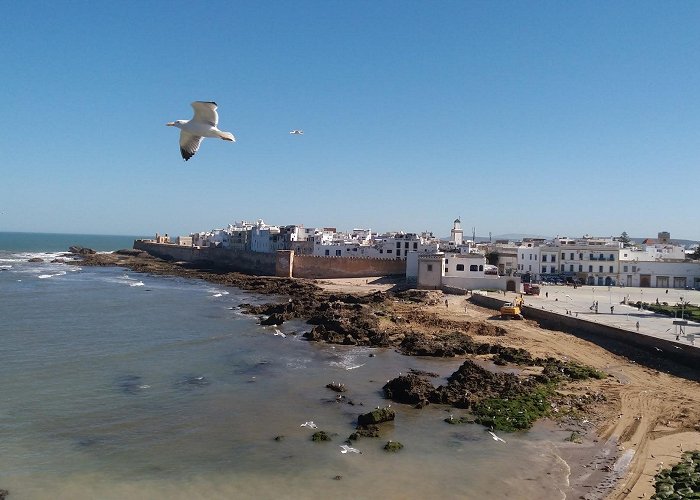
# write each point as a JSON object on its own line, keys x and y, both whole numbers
{"x": 261, "y": 264}
{"x": 282, "y": 263}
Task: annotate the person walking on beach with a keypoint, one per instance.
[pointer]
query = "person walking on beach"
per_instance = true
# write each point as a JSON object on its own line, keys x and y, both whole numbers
{"x": 637, "y": 326}
{"x": 446, "y": 304}
{"x": 612, "y": 309}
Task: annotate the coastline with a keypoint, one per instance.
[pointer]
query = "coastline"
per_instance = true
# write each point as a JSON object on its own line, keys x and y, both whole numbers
{"x": 646, "y": 411}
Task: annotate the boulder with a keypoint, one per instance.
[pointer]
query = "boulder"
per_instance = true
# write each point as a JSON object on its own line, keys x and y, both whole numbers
{"x": 408, "y": 389}
{"x": 376, "y": 417}
{"x": 81, "y": 250}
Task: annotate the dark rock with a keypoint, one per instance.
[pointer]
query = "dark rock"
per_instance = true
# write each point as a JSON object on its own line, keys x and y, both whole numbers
{"x": 273, "y": 319}
{"x": 320, "y": 436}
{"x": 3, "y": 494}
{"x": 376, "y": 416}
{"x": 408, "y": 389}
{"x": 336, "y": 386}
{"x": 393, "y": 446}
{"x": 472, "y": 383}
{"x": 279, "y": 438}
{"x": 370, "y": 430}
{"x": 36, "y": 259}
{"x": 81, "y": 250}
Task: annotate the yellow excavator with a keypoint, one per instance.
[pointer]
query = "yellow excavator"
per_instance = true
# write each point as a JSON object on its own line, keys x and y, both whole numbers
{"x": 512, "y": 309}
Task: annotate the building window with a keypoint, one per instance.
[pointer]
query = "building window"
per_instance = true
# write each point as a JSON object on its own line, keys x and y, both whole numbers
{"x": 563, "y": 256}
{"x": 544, "y": 269}
{"x": 580, "y": 268}
{"x": 381, "y": 250}
{"x": 552, "y": 269}
{"x": 415, "y": 246}
{"x": 562, "y": 268}
{"x": 447, "y": 270}
{"x": 590, "y": 269}
{"x": 388, "y": 251}
{"x": 571, "y": 256}
{"x": 405, "y": 245}
{"x": 398, "y": 253}
{"x": 600, "y": 269}
{"x": 328, "y": 252}
{"x": 612, "y": 256}
{"x": 611, "y": 269}
{"x": 473, "y": 267}
{"x": 544, "y": 257}
{"x": 447, "y": 261}
{"x": 602, "y": 257}
{"x": 460, "y": 267}
{"x": 430, "y": 267}
{"x": 554, "y": 258}
{"x": 337, "y": 253}
{"x": 624, "y": 269}
{"x": 481, "y": 268}
{"x": 580, "y": 256}
{"x": 571, "y": 268}
{"x": 398, "y": 244}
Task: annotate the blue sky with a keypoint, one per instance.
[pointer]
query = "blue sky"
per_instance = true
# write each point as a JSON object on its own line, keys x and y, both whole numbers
{"x": 519, "y": 117}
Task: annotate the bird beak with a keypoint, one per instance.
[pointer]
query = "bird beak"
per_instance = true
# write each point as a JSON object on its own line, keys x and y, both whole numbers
{"x": 170, "y": 124}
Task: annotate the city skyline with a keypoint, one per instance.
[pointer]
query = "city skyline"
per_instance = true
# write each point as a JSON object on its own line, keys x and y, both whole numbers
{"x": 546, "y": 119}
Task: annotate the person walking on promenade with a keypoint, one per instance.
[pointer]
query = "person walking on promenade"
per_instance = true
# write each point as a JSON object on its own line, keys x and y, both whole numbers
{"x": 637, "y": 326}
{"x": 612, "y": 309}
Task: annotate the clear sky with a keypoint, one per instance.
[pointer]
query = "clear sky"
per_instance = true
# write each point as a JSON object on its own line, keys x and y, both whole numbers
{"x": 548, "y": 118}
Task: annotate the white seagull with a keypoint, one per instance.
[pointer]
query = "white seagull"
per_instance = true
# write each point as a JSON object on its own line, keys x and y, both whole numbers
{"x": 203, "y": 124}
{"x": 310, "y": 424}
{"x": 345, "y": 449}
{"x": 496, "y": 438}
{"x": 297, "y": 132}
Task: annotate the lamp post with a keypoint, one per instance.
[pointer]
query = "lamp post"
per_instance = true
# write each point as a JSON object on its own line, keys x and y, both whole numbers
{"x": 682, "y": 309}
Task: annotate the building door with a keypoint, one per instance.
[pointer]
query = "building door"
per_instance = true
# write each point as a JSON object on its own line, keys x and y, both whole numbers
{"x": 645, "y": 280}
{"x": 510, "y": 286}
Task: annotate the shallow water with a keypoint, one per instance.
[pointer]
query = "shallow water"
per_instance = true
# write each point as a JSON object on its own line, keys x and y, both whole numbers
{"x": 121, "y": 385}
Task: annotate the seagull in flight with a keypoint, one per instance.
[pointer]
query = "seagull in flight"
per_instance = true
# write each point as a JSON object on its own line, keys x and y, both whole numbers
{"x": 496, "y": 438}
{"x": 310, "y": 424}
{"x": 297, "y": 132}
{"x": 203, "y": 124}
{"x": 345, "y": 449}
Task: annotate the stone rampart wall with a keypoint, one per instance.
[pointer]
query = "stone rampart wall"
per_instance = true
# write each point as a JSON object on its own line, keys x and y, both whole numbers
{"x": 261, "y": 264}
{"x": 309, "y": 266}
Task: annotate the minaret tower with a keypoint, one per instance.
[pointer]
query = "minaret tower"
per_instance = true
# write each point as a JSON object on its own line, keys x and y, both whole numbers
{"x": 457, "y": 235}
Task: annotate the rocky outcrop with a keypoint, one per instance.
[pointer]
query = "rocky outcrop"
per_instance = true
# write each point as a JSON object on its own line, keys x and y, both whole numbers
{"x": 77, "y": 249}
{"x": 471, "y": 383}
{"x": 409, "y": 389}
{"x": 376, "y": 417}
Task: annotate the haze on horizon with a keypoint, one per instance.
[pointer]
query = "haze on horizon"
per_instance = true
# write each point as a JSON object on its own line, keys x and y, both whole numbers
{"x": 538, "y": 118}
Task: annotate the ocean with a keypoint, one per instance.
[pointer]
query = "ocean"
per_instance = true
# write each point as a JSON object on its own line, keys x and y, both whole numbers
{"x": 124, "y": 385}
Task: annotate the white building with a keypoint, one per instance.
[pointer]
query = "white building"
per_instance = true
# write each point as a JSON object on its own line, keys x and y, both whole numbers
{"x": 462, "y": 271}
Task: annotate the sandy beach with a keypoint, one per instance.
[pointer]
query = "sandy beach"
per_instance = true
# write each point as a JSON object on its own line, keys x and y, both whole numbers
{"x": 651, "y": 417}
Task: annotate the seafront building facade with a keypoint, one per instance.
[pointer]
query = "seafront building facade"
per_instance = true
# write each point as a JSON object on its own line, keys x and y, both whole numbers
{"x": 596, "y": 261}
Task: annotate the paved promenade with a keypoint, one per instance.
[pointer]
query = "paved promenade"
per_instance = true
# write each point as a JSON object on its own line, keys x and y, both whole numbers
{"x": 560, "y": 299}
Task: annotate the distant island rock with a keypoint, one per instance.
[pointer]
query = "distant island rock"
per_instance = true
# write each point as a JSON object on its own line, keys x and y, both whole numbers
{"x": 77, "y": 249}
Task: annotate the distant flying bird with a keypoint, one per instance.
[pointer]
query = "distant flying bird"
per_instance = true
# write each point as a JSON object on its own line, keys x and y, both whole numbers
{"x": 297, "y": 132}
{"x": 345, "y": 449}
{"x": 310, "y": 424}
{"x": 203, "y": 124}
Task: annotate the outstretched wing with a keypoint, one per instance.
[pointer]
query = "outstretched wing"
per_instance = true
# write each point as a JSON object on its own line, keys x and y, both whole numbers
{"x": 189, "y": 144}
{"x": 205, "y": 112}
